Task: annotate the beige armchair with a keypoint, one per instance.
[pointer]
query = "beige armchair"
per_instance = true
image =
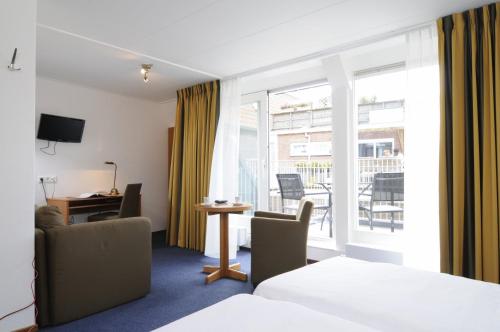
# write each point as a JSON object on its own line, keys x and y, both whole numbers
{"x": 279, "y": 241}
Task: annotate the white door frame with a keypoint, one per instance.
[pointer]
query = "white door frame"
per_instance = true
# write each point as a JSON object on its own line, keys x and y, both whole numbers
{"x": 261, "y": 98}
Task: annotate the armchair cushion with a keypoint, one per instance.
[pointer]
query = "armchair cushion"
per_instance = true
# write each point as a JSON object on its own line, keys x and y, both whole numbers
{"x": 47, "y": 217}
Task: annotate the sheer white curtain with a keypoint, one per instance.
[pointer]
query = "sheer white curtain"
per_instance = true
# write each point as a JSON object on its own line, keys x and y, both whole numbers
{"x": 224, "y": 174}
{"x": 422, "y": 125}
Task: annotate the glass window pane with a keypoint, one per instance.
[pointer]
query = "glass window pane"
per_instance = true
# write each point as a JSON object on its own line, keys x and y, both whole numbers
{"x": 384, "y": 149}
{"x": 380, "y": 111}
{"x": 365, "y": 150}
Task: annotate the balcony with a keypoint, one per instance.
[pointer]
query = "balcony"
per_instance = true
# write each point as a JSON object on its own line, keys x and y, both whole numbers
{"x": 296, "y": 119}
{"x": 315, "y": 172}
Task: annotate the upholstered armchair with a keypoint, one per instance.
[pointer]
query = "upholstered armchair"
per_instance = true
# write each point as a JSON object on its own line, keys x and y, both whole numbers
{"x": 279, "y": 241}
{"x": 90, "y": 267}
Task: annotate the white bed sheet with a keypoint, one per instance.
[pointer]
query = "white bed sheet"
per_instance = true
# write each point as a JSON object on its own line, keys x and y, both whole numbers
{"x": 389, "y": 297}
{"x": 249, "y": 313}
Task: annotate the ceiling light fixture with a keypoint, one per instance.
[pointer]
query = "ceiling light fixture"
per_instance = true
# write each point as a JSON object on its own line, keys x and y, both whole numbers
{"x": 145, "y": 68}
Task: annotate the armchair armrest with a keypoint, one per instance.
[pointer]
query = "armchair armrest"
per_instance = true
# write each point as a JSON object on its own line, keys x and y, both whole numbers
{"x": 42, "y": 289}
{"x": 278, "y": 246}
{"x": 275, "y": 215}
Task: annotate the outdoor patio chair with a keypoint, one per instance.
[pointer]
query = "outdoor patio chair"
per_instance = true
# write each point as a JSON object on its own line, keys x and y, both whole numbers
{"x": 388, "y": 188}
{"x": 292, "y": 188}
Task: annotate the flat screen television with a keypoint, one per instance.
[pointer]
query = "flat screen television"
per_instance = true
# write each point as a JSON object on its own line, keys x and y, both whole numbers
{"x": 60, "y": 128}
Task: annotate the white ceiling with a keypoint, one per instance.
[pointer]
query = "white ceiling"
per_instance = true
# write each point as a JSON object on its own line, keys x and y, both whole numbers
{"x": 101, "y": 43}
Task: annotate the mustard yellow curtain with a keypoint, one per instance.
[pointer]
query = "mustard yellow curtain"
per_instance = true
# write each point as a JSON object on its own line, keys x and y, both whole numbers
{"x": 194, "y": 138}
{"x": 470, "y": 143}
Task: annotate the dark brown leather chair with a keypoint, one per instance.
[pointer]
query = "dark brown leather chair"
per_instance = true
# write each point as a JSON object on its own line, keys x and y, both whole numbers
{"x": 130, "y": 206}
{"x": 279, "y": 241}
{"x": 90, "y": 267}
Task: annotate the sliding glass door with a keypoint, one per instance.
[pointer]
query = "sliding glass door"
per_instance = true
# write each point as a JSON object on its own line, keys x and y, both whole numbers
{"x": 253, "y": 177}
{"x": 288, "y": 132}
{"x": 300, "y": 145}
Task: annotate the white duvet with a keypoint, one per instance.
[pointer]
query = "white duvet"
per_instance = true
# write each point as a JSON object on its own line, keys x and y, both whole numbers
{"x": 248, "y": 313}
{"x": 389, "y": 297}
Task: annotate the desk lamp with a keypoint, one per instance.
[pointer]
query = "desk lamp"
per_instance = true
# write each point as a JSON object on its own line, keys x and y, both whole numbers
{"x": 113, "y": 191}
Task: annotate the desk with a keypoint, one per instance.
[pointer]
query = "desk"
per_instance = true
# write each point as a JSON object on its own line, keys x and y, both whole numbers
{"x": 224, "y": 270}
{"x": 71, "y": 205}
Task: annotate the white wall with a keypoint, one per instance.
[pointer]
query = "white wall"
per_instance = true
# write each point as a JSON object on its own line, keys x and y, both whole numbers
{"x": 17, "y": 124}
{"x": 131, "y": 132}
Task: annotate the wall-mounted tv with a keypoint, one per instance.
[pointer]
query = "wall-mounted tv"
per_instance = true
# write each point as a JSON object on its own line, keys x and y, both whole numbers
{"x": 60, "y": 128}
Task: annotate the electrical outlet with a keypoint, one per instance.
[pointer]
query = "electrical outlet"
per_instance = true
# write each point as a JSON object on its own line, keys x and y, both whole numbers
{"x": 47, "y": 179}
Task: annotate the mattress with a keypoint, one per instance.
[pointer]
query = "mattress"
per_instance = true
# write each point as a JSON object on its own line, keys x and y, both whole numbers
{"x": 248, "y": 313}
{"x": 389, "y": 297}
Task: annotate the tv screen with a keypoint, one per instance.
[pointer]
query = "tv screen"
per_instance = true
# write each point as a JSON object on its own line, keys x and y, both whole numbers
{"x": 60, "y": 128}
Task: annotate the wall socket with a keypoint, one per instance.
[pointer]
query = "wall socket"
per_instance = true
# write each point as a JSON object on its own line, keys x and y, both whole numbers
{"x": 47, "y": 179}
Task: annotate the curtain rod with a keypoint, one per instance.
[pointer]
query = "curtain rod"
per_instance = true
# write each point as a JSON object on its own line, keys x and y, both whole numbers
{"x": 376, "y": 70}
{"x": 299, "y": 86}
{"x": 292, "y": 87}
{"x": 333, "y": 50}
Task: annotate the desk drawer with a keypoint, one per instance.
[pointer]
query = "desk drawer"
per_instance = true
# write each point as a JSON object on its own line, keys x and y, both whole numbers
{"x": 94, "y": 208}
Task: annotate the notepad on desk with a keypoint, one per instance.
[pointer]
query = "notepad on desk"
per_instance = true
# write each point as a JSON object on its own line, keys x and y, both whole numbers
{"x": 93, "y": 194}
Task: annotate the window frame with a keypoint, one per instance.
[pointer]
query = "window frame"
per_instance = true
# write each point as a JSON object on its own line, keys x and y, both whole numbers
{"x": 357, "y": 234}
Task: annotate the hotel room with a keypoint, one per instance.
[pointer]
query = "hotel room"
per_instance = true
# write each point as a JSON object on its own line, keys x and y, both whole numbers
{"x": 219, "y": 165}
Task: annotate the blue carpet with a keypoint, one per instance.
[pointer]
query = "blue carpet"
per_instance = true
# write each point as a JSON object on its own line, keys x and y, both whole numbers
{"x": 177, "y": 289}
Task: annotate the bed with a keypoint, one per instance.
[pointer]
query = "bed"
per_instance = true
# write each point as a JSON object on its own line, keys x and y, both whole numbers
{"x": 251, "y": 313}
{"x": 389, "y": 297}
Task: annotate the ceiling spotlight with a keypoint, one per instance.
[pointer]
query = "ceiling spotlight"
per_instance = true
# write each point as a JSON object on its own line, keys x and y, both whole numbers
{"x": 145, "y": 71}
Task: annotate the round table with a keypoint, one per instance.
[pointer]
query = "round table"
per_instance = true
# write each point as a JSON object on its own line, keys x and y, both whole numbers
{"x": 224, "y": 270}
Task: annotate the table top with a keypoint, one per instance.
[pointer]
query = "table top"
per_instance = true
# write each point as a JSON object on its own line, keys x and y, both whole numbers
{"x": 229, "y": 207}
{"x": 95, "y": 198}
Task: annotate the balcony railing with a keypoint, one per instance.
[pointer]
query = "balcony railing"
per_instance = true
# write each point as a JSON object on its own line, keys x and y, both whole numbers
{"x": 312, "y": 172}
{"x": 301, "y": 118}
